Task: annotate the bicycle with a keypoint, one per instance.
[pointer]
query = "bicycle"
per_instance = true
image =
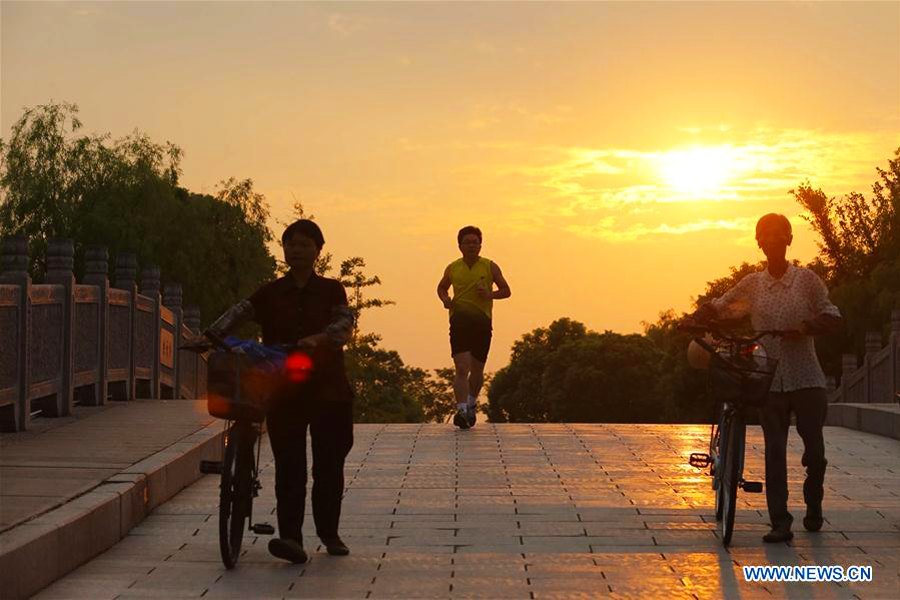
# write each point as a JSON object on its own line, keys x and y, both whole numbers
{"x": 237, "y": 391}
{"x": 740, "y": 375}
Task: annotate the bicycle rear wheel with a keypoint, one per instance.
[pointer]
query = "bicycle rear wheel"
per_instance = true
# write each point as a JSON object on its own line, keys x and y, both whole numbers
{"x": 234, "y": 494}
{"x": 732, "y": 465}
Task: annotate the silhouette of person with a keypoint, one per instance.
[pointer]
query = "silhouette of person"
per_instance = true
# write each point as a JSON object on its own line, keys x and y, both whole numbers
{"x": 473, "y": 278}
{"x": 792, "y": 299}
{"x": 310, "y": 311}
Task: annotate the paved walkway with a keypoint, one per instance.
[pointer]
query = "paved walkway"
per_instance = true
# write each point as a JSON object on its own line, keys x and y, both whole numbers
{"x": 61, "y": 459}
{"x": 525, "y": 511}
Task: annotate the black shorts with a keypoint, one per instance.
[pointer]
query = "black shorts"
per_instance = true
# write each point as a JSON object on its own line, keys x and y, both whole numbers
{"x": 470, "y": 333}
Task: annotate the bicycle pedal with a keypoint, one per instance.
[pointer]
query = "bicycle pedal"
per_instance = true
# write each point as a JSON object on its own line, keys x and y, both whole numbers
{"x": 211, "y": 467}
{"x": 263, "y": 529}
{"x": 752, "y": 487}
{"x": 700, "y": 460}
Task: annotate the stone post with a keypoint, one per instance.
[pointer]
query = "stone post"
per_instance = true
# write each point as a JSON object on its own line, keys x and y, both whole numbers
{"x": 125, "y": 279}
{"x": 172, "y": 300}
{"x": 60, "y": 265}
{"x": 96, "y": 267}
{"x": 849, "y": 365}
{"x": 873, "y": 345}
{"x": 192, "y": 320}
{"x": 150, "y": 281}
{"x": 895, "y": 351}
{"x": 17, "y": 415}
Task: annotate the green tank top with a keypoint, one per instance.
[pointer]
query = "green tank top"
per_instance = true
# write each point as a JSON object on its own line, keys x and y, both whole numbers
{"x": 466, "y": 282}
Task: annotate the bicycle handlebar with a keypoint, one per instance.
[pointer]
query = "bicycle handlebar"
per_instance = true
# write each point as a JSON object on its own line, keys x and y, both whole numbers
{"x": 718, "y": 328}
{"x": 214, "y": 340}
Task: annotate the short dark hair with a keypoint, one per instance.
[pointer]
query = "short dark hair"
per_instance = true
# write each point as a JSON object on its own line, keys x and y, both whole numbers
{"x": 306, "y": 228}
{"x": 773, "y": 220}
{"x": 468, "y": 229}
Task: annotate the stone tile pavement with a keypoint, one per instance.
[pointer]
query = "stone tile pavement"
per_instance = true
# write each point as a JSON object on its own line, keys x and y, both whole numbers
{"x": 525, "y": 511}
{"x": 72, "y": 487}
{"x": 60, "y": 459}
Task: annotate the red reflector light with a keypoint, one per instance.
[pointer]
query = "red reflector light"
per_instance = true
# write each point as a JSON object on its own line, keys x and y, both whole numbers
{"x": 298, "y": 367}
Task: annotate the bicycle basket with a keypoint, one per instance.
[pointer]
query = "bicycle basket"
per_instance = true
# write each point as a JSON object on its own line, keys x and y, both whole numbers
{"x": 236, "y": 389}
{"x": 743, "y": 380}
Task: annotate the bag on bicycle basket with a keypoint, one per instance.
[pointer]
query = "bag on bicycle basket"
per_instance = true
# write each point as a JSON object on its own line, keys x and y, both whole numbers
{"x": 236, "y": 389}
{"x": 742, "y": 380}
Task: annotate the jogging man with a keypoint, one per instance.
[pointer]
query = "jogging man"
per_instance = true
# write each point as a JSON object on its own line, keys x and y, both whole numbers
{"x": 473, "y": 278}
{"x": 305, "y": 309}
{"x": 794, "y": 299}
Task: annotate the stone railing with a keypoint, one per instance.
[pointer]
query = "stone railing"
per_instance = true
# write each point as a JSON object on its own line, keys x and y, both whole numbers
{"x": 877, "y": 380}
{"x": 65, "y": 343}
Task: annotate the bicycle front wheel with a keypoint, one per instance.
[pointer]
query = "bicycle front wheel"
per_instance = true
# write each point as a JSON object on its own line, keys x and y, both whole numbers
{"x": 732, "y": 466}
{"x": 717, "y": 459}
{"x": 234, "y": 494}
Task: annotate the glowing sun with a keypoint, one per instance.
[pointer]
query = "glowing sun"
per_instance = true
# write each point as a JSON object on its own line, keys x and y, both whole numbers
{"x": 697, "y": 171}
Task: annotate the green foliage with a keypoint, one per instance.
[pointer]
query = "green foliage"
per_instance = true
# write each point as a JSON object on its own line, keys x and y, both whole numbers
{"x": 859, "y": 252}
{"x": 439, "y": 403}
{"x": 719, "y": 286}
{"x": 387, "y": 390}
{"x": 604, "y": 378}
{"x": 682, "y": 391}
{"x": 123, "y": 194}
{"x": 566, "y": 373}
{"x": 53, "y": 180}
{"x": 355, "y": 280}
{"x": 516, "y": 392}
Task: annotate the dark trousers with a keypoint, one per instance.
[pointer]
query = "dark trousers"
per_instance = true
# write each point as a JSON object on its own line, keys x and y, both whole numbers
{"x": 331, "y": 430}
{"x": 809, "y": 405}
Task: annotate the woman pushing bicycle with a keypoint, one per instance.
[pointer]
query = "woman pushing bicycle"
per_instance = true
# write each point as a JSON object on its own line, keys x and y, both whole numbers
{"x": 794, "y": 300}
{"x": 305, "y": 311}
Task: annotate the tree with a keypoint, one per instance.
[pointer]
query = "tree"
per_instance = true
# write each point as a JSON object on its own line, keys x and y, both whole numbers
{"x": 354, "y": 279}
{"x": 516, "y": 391}
{"x": 439, "y": 403}
{"x": 124, "y": 194}
{"x": 387, "y": 391}
{"x": 682, "y": 392}
{"x": 566, "y": 373}
{"x": 52, "y": 179}
{"x": 859, "y": 254}
{"x": 604, "y": 378}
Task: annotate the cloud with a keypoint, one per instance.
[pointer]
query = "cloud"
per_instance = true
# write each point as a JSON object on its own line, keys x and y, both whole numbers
{"x": 607, "y": 229}
{"x": 600, "y": 192}
{"x": 617, "y": 194}
{"x": 767, "y": 163}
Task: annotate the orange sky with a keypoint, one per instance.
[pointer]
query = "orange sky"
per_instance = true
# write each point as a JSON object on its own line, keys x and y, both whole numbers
{"x": 616, "y": 155}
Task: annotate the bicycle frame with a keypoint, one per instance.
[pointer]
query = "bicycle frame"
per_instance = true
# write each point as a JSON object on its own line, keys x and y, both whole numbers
{"x": 256, "y": 430}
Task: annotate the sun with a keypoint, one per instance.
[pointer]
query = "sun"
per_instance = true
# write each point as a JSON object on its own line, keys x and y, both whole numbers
{"x": 697, "y": 171}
